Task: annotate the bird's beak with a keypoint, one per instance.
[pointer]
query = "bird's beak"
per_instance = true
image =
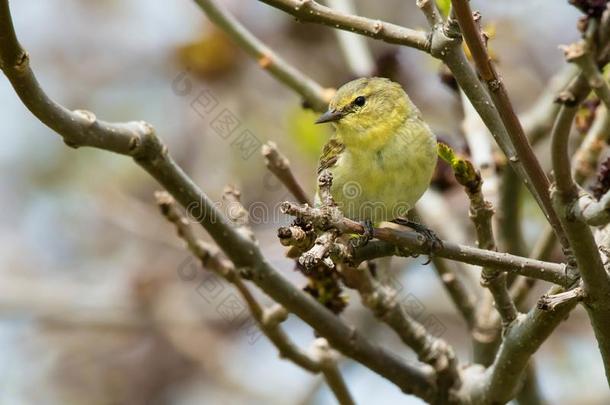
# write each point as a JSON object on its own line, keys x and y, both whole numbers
{"x": 330, "y": 116}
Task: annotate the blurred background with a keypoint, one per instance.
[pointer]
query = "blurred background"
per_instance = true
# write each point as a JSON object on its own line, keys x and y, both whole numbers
{"x": 99, "y": 301}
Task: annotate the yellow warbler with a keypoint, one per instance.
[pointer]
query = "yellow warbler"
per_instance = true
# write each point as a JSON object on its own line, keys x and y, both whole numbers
{"x": 382, "y": 155}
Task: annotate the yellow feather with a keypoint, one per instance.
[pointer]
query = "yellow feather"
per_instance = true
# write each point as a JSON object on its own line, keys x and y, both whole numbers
{"x": 383, "y": 154}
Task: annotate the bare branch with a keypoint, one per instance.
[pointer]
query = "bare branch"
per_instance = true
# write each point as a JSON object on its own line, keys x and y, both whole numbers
{"x": 279, "y": 165}
{"x": 481, "y": 212}
{"x": 594, "y": 213}
{"x": 309, "y": 10}
{"x": 587, "y": 155}
{"x": 139, "y": 141}
{"x": 499, "y": 383}
{"x": 381, "y": 299}
{"x": 541, "y": 251}
{"x": 402, "y": 243}
{"x": 499, "y": 96}
{"x": 596, "y": 283}
{"x": 428, "y": 7}
{"x": 486, "y": 333}
{"x": 550, "y": 302}
{"x": 463, "y": 299}
{"x": 327, "y": 359}
{"x": 314, "y": 95}
{"x": 589, "y": 262}
{"x": 579, "y": 54}
{"x": 267, "y": 319}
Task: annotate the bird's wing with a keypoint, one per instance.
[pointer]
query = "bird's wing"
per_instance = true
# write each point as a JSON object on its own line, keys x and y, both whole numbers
{"x": 330, "y": 154}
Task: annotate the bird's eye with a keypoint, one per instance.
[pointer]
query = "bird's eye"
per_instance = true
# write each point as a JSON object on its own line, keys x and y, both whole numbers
{"x": 359, "y": 101}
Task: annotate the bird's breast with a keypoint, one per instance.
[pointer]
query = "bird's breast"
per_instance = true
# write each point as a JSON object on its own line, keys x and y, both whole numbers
{"x": 385, "y": 183}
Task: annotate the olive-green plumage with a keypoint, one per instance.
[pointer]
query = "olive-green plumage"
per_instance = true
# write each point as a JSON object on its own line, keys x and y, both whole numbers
{"x": 382, "y": 155}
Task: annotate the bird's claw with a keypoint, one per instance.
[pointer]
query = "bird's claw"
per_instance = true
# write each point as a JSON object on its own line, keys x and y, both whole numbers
{"x": 360, "y": 241}
{"x": 433, "y": 242}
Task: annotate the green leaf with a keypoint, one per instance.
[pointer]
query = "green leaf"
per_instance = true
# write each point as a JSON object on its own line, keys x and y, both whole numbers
{"x": 446, "y": 153}
{"x": 444, "y": 6}
{"x": 463, "y": 170}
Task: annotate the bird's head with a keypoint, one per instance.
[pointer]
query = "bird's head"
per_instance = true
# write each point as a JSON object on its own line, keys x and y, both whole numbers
{"x": 368, "y": 111}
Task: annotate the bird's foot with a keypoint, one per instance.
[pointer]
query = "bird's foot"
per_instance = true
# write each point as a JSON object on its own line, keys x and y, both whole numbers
{"x": 433, "y": 242}
{"x": 360, "y": 241}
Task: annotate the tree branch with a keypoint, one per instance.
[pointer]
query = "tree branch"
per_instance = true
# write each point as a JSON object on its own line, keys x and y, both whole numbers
{"x": 524, "y": 153}
{"x": 268, "y": 320}
{"x": 587, "y": 155}
{"x": 402, "y": 243}
{"x": 310, "y": 11}
{"x": 382, "y": 300}
{"x": 138, "y": 140}
{"x": 428, "y": 8}
{"x": 461, "y": 297}
{"x": 592, "y": 212}
{"x": 541, "y": 251}
{"x": 551, "y": 302}
{"x": 481, "y": 212}
{"x": 314, "y": 95}
{"x": 331, "y": 251}
{"x": 279, "y": 165}
{"x": 499, "y": 383}
{"x": 579, "y": 54}
{"x": 595, "y": 278}
{"x": 596, "y": 283}
{"x": 443, "y": 43}
{"x": 327, "y": 359}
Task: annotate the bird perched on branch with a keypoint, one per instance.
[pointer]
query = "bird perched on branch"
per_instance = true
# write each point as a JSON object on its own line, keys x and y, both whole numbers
{"x": 382, "y": 155}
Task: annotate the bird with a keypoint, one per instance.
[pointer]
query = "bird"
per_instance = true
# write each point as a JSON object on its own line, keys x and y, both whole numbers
{"x": 382, "y": 155}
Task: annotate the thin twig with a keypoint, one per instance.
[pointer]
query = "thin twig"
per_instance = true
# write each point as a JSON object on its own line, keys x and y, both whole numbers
{"x": 428, "y": 8}
{"x": 314, "y": 95}
{"x": 461, "y": 297}
{"x": 541, "y": 251}
{"x": 579, "y": 54}
{"x": 551, "y": 302}
{"x": 279, "y": 165}
{"x": 481, "y": 212}
{"x": 382, "y": 300}
{"x": 486, "y": 333}
{"x": 309, "y": 10}
{"x": 566, "y": 195}
{"x": 586, "y": 157}
{"x": 327, "y": 359}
